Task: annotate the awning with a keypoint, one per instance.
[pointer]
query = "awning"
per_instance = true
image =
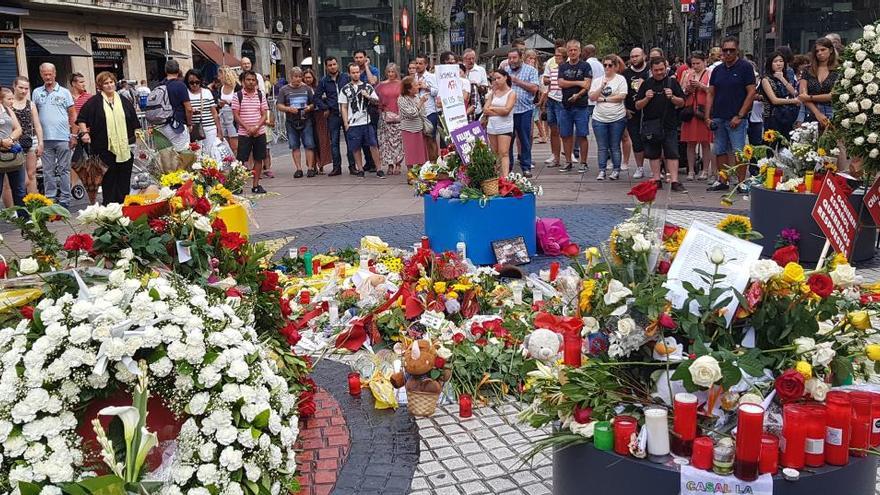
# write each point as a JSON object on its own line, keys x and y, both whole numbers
{"x": 213, "y": 52}
{"x": 13, "y": 11}
{"x": 57, "y": 44}
{"x": 162, "y": 54}
{"x": 113, "y": 43}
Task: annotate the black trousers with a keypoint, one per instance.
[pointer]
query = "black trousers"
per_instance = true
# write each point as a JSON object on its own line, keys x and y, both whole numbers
{"x": 117, "y": 182}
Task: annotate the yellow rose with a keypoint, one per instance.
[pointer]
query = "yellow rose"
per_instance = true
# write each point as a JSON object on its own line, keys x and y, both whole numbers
{"x": 805, "y": 369}
{"x": 793, "y": 273}
{"x": 452, "y": 295}
{"x": 439, "y": 287}
{"x": 592, "y": 254}
{"x": 873, "y": 352}
{"x": 860, "y": 320}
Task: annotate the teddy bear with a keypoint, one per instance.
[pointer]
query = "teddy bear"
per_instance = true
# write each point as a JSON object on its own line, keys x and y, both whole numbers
{"x": 418, "y": 361}
{"x": 543, "y": 344}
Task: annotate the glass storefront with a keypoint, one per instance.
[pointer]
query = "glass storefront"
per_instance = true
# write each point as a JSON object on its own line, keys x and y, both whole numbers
{"x": 806, "y": 20}
{"x": 371, "y": 25}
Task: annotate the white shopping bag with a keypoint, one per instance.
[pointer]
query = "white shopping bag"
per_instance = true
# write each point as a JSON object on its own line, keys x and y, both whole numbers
{"x": 221, "y": 151}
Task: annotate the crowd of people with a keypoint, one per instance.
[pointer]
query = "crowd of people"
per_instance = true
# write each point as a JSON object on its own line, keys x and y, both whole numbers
{"x": 700, "y": 111}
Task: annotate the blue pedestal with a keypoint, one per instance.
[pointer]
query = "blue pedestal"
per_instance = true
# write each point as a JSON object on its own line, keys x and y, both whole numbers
{"x": 450, "y": 221}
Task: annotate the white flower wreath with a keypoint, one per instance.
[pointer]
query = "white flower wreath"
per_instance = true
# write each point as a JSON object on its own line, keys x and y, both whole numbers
{"x": 204, "y": 361}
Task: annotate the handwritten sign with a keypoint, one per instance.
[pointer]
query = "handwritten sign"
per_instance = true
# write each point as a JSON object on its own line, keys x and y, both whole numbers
{"x": 699, "y": 482}
{"x": 465, "y": 137}
{"x": 451, "y": 96}
{"x": 835, "y": 216}
{"x": 872, "y": 201}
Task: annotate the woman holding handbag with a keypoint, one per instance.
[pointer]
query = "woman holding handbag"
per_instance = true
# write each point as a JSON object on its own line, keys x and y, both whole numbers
{"x": 390, "y": 138}
{"x": 12, "y": 155}
{"x": 107, "y": 123}
{"x": 206, "y": 122}
{"x": 412, "y": 126}
{"x": 694, "y": 132}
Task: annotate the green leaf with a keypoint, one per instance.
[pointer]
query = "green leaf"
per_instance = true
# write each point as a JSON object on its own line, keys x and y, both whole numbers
{"x": 104, "y": 485}
{"x": 682, "y": 371}
{"x": 261, "y": 421}
{"x": 751, "y": 362}
{"x": 29, "y": 488}
{"x": 842, "y": 368}
{"x": 73, "y": 489}
{"x": 731, "y": 374}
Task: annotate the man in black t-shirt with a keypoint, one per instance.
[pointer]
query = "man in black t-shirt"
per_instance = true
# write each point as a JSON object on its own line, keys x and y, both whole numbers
{"x": 659, "y": 99}
{"x": 637, "y": 72}
{"x": 575, "y": 77}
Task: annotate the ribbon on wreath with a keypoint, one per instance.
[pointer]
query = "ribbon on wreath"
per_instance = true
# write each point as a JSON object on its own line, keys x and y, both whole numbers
{"x": 566, "y": 325}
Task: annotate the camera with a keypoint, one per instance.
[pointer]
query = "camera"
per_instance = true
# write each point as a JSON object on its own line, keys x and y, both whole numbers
{"x": 713, "y": 126}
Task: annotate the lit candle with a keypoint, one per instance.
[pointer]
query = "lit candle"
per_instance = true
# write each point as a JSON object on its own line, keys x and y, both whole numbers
{"x": 517, "y": 289}
{"x": 426, "y": 244}
{"x": 603, "y": 438}
{"x": 837, "y": 429}
{"x": 860, "y": 439}
{"x": 354, "y": 383}
{"x": 808, "y": 181}
{"x": 572, "y": 344}
{"x": 814, "y": 445}
{"x": 684, "y": 424}
{"x": 722, "y": 457}
{"x": 554, "y": 270}
{"x": 794, "y": 435}
{"x": 702, "y": 455}
{"x": 461, "y": 249}
{"x": 624, "y": 429}
{"x": 658, "y": 431}
{"x": 303, "y": 250}
{"x": 537, "y": 296}
{"x": 769, "y": 459}
{"x": 770, "y": 178}
{"x": 465, "y": 406}
{"x": 316, "y": 266}
{"x": 749, "y": 429}
{"x": 333, "y": 310}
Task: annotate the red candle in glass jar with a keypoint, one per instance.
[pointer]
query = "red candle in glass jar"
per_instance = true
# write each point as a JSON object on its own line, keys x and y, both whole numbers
{"x": 702, "y": 453}
{"x": 354, "y": 383}
{"x": 794, "y": 435}
{"x": 814, "y": 445}
{"x": 303, "y": 250}
{"x": 875, "y": 419}
{"x": 426, "y": 244}
{"x": 684, "y": 424}
{"x": 860, "y": 438}
{"x": 837, "y": 428}
{"x": 316, "y": 267}
{"x": 624, "y": 428}
{"x": 769, "y": 460}
{"x": 305, "y": 297}
{"x": 749, "y": 429}
{"x": 465, "y": 406}
{"x": 554, "y": 270}
{"x": 571, "y": 352}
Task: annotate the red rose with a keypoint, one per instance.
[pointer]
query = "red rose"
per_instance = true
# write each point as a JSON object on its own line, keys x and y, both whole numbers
{"x": 790, "y": 385}
{"x": 285, "y": 307}
{"x": 458, "y": 338}
{"x": 821, "y": 284}
{"x": 439, "y": 362}
{"x": 218, "y": 225}
{"x": 291, "y": 334}
{"x": 786, "y": 255}
{"x": 270, "y": 281}
{"x": 158, "y": 225}
{"x": 754, "y": 294}
{"x": 194, "y": 146}
{"x": 666, "y": 321}
{"x": 645, "y": 192}
{"x": 202, "y": 206}
{"x": 481, "y": 342}
{"x": 582, "y": 415}
{"x": 232, "y": 240}
{"x": 233, "y": 292}
{"x": 663, "y": 267}
{"x": 27, "y": 312}
{"x": 79, "y": 242}
{"x": 670, "y": 230}
{"x": 306, "y": 408}
{"x": 4, "y": 269}
{"x": 571, "y": 250}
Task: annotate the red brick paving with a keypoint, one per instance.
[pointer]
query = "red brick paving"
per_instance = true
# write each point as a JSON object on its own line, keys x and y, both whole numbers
{"x": 324, "y": 444}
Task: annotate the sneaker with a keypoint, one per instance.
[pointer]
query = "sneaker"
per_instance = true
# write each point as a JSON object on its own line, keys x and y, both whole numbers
{"x": 380, "y": 174}
{"x": 360, "y": 173}
{"x": 584, "y": 168}
{"x": 624, "y": 167}
{"x": 678, "y": 187}
{"x": 601, "y": 175}
{"x": 615, "y": 174}
{"x": 567, "y": 168}
{"x": 311, "y": 173}
{"x": 352, "y": 170}
{"x": 690, "y": 177}
{"x": 527, "y": 174}
{"x": 718, "y": 186}
{"x": 335, "y": 172}
{"x": 298, "y": 174}
{"x": 550, "y": 161}
{"x": 639, "y": 173}
{"x": 743, "y": 188}
{"x": 258, "y": 190}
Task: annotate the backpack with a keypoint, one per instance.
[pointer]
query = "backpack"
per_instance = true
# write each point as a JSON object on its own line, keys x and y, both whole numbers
{"x": 552, "y": 236}
{"x": 158, "y": 110}
{"x": 239, "y": 96}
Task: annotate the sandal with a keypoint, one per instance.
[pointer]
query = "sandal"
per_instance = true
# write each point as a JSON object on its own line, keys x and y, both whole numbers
{"x": 703, "y": 176}
{"x": 690, "y": 176}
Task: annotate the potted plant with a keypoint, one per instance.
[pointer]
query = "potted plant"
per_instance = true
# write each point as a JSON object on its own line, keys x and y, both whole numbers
{"x": 481, "y": 169}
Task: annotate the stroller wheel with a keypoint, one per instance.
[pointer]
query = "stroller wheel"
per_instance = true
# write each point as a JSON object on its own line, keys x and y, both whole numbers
{"x": 78, "y": 192}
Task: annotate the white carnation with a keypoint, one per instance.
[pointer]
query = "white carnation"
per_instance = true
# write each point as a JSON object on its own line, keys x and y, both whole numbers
{"x": 871, "y": 89}
{"x": 861, "y": 55}
{"x": 208, "y": 474}
{"x": 866, "y": 104}
{"x": 199, "y": 403}
{"x": 28, "y": 266}
{"x": 231, "y": 459}
{"x": 844, "y": 97}
{"x": 861, "y": 119}
{"x": 874, "y": 153}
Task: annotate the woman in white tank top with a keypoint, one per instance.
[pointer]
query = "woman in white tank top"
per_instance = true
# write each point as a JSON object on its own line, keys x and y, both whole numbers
{"x": 499, "y": 111}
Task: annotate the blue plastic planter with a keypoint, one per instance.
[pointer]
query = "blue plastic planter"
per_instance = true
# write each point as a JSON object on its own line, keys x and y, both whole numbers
{"x": 450, "y": 221}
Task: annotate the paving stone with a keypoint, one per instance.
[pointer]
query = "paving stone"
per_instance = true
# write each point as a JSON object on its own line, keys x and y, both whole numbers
{"x": 441, "y": 479}
{"x": 461, "y": 438}
{"x": 469, "y": 448}
{"x": 429, "y": 432}
{"x": 426, "y": 456}
{"x": 501, "y": 484}
{"x": 480, "y": 459}
{"x": 420, "y": 483}
{"x": 430, "y": 467}
{"x": 514, "y": 438}
{"x": 491, "y": 444}
{"x": 466, "y": 474}
{"x": 447, "y": 490}
{"x": 537, "y": 489}
{"x": 454, "y": 463}
{"x": 491, "y": 470}
{"x": 483, "y": 434}
{"x": 474, "y": 488}
{"x": 545, "y": 472}
{"x": 523, "y": 478}
{"x": 445, "y": 453}
{"x": 451, "y": 429}
{"x": 437, "y": 442}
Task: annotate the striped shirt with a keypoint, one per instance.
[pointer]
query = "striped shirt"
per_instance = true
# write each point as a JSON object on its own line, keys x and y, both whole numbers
{"x": 554, "y": 92}
{"x": 251, "y": 108}
{"x": 202, "y": 104}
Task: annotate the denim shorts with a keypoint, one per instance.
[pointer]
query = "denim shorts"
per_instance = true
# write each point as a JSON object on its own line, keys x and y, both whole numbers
{"x": 574, "y": 121}
{"x": 554, "y": 111}
{"x": 304, "y": 137}
{"x": 359, "y": 136}
{"x": 727, "y": 140}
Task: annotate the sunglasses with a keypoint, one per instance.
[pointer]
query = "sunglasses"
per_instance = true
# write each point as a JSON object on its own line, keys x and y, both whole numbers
{"x": 191, "y": 83}
{"x": 608, "y": 65}
{"x": 728, "y": 50}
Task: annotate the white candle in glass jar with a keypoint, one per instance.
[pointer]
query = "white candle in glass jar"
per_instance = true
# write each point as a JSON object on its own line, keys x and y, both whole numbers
{"x": 658, "y": 431}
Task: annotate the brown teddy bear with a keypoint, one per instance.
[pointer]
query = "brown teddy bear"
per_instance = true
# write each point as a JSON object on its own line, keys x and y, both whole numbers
{"x": 418, "y": 362}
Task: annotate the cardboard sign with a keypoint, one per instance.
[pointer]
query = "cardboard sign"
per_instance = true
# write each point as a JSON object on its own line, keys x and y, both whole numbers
{"x": 465, "y": 137}
{"x": 872, "y": 201}
{"x": 451, "y": 96}
{"x": 835, "y": 216}
{"x": 699, "y": 482}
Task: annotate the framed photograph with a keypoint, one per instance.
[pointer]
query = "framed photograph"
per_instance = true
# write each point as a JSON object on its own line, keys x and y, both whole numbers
{"x": 511, "y": 251}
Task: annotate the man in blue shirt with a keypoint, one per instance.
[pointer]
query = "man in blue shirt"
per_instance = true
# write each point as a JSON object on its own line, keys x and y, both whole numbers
{"x": 57, "y": 114}
{"x": 525, "y": 85}
{"x": 728, "y": 103}
{"x": 177, "y": 131}
{"x": 575, "y": 77}
{"x": 327, "y": 100}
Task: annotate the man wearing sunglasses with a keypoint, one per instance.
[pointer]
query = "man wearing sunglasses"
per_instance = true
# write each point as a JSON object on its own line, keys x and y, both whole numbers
{"x": 728, "y": 103}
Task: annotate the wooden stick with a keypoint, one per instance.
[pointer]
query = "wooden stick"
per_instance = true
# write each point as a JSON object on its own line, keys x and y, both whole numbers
{"x": 822, "y": 256}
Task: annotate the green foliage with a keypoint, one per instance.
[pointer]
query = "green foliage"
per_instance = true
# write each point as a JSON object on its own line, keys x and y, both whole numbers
{"x": 482, "y": 164}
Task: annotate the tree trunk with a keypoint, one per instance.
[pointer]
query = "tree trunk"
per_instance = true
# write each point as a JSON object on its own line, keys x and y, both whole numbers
{"x": 443, "y": 13}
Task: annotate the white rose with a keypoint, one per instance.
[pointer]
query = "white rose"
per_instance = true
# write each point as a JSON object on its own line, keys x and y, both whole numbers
{"x": 858, "y": 89}
{"x": 28, "y": 266}
{"x": 867, "y": 65}
{"x": 804, "y": 345}
{"x": 817, "y": 389}
{"x": 849, "y": 73}
{"x": 616, "y": 291}
{"x": 859, "y": 140}
{"x": 640, "y": 243}
{"x": 716, "y": 256}
{"x": 874, "y": 153}
{"x": 876, "y": 48}
{"x": 856, "y": 46}
{"x": 591, "y": 325}
{"x": 111, "y": 212}
{"x": 853, "y": 107}
{"x": 867, "y": 77}
{"x": 869, "y": 35}
{"x": 764, "y": 270}
{"x": 202, "y": 223}
{"x": 705, "y": 371}
{"x": 823, "y": 354}
{"x": 876, "y": 109}
{"x": 861, "y": 119}
{"x": 872, "y": 138}
{"x": 844, "y": 98}
{"x": 845, "y": 83}
{"x": 861, "y": 55}
{"x": 843, "y": 275}
{"x": 825, "y": 327}
{"x": 871, "y": 89}
{"x": 444, "y": 352}
{"x": 866, "y": 104}
{"x": 124, "y": 221}
{"x": 626, "y": 326}
{"x": 845, "y": 123}
{"x": 847, "y": 64}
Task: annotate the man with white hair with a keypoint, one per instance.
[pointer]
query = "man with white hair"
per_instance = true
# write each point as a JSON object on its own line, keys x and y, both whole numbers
{"x": 477, "y": 75}
{"x": 57, "y": 115}
{"x": 247, "y": 65}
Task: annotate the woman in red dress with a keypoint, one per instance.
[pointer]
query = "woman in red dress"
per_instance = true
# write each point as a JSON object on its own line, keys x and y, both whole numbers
{"x": 695, "y": 83}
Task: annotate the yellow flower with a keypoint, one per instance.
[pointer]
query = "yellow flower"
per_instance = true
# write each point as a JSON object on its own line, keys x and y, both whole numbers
{"x": 200, "y": 190}
{"x": 860, "y": 319}
{"x": 821, "y": 152}
{"x": 592, "y": 255}
{"x": 440, "y": 287}
{"x": 793, "y": 273}
{"x": 722, "y": 176}
{"x": 804, "y": 369}
{"x": 770, "y": 135}
{"x": 748, "y": 152}
{"x": 176, "y": 203}
{"x": 873, "y": 352}
{"x": 423, "y": 284}
{"x": 462, "y": 287}
{"x": 736, "y": 225}
{"x": 452, "y": 295}
{"x": 585, "y": 300}
{"x": 37, "y": 198}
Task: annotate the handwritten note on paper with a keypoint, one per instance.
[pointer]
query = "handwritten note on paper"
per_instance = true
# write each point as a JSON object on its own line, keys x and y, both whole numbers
{"x": 699, "y": 482}
{"x": 693, "y": 254}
